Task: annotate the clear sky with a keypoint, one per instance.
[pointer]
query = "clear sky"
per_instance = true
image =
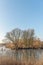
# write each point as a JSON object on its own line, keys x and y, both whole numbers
{"x": 21, "y": 14}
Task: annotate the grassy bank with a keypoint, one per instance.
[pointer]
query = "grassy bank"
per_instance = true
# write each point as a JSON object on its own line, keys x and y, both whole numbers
{"x": 11, "y": 61}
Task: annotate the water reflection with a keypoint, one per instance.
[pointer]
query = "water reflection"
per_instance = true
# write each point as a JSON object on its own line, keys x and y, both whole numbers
{"x": 21, "y": 54}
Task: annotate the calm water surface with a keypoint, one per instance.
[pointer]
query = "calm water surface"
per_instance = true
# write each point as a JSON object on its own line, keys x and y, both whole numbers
{"x": 20, "y": 54}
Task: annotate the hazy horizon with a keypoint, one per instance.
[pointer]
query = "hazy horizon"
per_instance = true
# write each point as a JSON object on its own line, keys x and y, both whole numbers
{"x": 23, "y": 14}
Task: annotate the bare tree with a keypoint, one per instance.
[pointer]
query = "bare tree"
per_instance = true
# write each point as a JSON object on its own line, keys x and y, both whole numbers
{"x": 25, "y": 38}
{"x": 28, "y": 37}
{"x": 31, "y": 38}
{"x": 14, "y": 36}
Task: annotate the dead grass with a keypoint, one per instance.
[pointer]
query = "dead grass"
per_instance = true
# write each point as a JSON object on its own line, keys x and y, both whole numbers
{"x": 11, "y": 61}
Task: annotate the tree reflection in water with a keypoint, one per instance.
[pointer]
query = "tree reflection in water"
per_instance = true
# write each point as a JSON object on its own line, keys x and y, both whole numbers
{"x": 20, "y": 55}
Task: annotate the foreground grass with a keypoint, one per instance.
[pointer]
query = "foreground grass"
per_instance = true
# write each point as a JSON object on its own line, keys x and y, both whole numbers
{"x": 11, "y": 61}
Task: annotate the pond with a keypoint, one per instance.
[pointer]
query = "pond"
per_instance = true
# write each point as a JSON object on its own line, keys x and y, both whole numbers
{"x": 21, "y": 54}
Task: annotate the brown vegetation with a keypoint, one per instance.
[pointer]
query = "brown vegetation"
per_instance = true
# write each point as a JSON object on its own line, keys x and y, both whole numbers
{"x": 11, "y": 61}
{"x": 36, "y": 44}
{"x": 10, "y": 45}
{"x": 22, "y": 39}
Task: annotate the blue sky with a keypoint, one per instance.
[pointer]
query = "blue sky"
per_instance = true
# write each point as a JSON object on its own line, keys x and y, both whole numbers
{"x": 21, "y": 14}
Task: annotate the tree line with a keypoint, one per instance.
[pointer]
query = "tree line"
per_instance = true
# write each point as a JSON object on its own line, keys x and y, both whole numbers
{"x": 21, "y": 38}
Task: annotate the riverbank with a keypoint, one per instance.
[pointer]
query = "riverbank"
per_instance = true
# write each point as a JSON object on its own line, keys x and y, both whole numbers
{"x": 11, "y": 61}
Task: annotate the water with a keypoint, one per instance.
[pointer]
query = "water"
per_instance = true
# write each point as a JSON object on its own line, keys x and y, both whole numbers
{"x": 21, "y": 54}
